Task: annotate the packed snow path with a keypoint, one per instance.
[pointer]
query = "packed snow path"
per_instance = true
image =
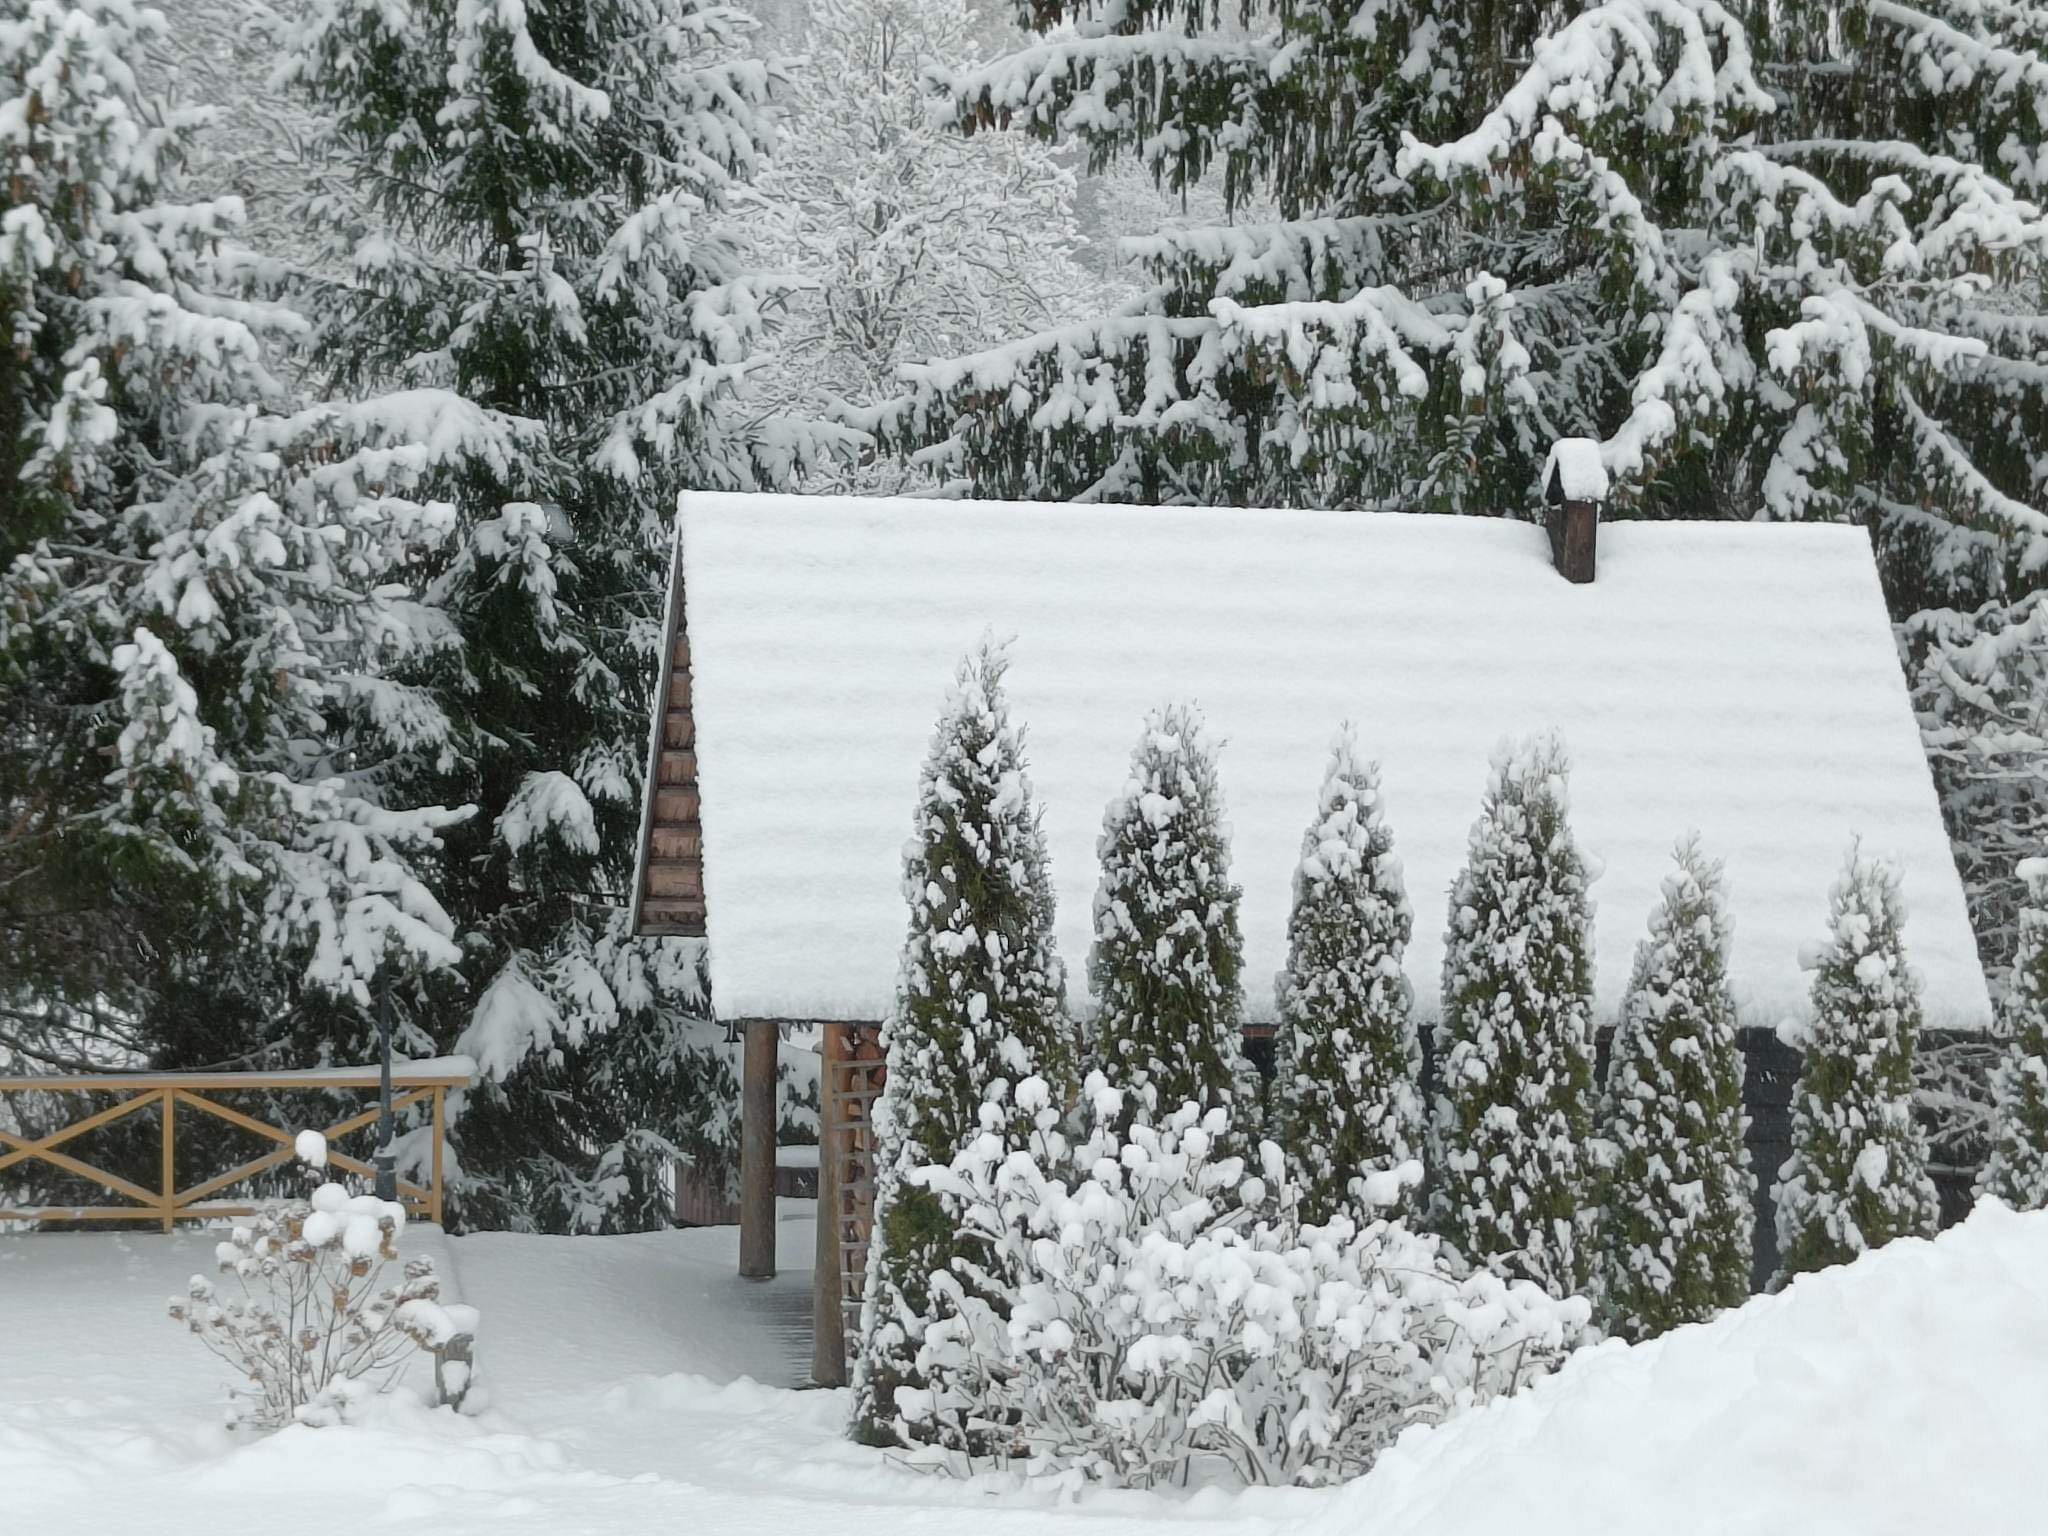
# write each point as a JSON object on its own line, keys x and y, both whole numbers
{"x": 1901, "y": 1395}
{"x": 554, "y": 1315}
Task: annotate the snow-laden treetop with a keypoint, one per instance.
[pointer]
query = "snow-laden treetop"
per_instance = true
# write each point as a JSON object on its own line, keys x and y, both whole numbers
{"x": 1734, "y": 679}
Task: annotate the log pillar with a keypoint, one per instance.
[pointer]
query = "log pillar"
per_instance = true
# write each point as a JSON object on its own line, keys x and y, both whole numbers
{"x": 828, "y": 1321}
{"x": 757, "y": 1149}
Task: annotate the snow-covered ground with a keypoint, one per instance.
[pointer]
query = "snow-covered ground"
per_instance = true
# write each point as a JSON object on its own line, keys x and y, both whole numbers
{"x": 626, "y": 1394}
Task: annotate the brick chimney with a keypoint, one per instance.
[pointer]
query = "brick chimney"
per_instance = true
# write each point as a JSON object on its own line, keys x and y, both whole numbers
{"x": 1575, "y": 484}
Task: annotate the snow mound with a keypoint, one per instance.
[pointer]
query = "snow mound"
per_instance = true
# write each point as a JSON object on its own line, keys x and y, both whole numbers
{"x": 1901, "y": 1393}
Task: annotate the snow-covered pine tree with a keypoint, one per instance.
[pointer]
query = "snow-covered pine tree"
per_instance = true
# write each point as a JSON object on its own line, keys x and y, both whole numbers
{"x": 200, "y": 581}
{"x": 1786, "y": 261}
{"x": 980, "y": 1007}
{"x": 1346, "y": 1097}
{"x": 914, "y": 242}
{"x": 2018, "y": 1168}
{"x": 1512, "y": 1171}
{"x": 1783, "y": 260}
{"x": 1980, "y": 684}
{"x": 222, "y": 52}
{"x": 1857, "y": 1176}
{"x": 1165, "y": 965}
{"x": 1677, "y": 1233}
{"x": 531, "y": 207}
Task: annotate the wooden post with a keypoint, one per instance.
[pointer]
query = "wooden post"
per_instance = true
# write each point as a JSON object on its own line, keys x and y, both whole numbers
{"x": 757, "y": 1150}
{"x": 828, "y": 1322}
{"x": 440, "y": 1139}
{"x": 170, "y": 1157}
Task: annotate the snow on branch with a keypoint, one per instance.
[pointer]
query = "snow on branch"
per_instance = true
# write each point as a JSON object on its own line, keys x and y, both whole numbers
{"x": 1611, "y": 61}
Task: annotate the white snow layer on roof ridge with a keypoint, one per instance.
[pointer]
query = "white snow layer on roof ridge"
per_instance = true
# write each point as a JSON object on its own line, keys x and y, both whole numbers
{"x": 1738, "y": 679}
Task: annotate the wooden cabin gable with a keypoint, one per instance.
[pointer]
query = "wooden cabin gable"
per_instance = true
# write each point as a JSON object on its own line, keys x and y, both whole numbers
{"x": 668, "y": 896}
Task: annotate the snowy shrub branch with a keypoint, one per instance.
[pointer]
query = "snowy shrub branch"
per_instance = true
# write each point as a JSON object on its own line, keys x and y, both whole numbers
{"x": 310, "y": 1326}
{"x": 1171, "y": 1316}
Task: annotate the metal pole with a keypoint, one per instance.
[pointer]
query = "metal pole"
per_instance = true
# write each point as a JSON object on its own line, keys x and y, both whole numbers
{"x": 387, "y": 1171}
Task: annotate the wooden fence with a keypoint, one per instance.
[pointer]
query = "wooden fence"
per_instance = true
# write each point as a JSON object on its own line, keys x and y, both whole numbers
{"x": 412, "y": 1083}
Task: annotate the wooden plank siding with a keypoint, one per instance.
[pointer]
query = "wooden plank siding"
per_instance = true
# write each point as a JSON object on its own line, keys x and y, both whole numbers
{"x": 670, "y": 901}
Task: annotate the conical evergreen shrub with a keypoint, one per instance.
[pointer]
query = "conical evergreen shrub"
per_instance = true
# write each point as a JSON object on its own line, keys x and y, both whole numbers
{"x": 1165, "y": 968}
{"x": 1677, "y": 1223}
{"x": 1857, "y": 1177}
{"x": 980, "y": 1006}
{"x": 2018, "y": 1170}
{"x": 1346, "y": 1097}
{"x": 1512, "y": 1174}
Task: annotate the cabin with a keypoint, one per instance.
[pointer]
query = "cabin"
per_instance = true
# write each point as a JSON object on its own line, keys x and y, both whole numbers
{"x": 1737, "y": 679}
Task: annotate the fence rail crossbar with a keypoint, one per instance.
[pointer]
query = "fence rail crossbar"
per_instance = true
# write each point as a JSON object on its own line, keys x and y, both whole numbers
{"x": 168, "y": 1092}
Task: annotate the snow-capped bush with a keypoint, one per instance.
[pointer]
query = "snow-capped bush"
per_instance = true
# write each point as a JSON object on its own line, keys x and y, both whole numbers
{"x": 1174, "y": 1315}
{"x": 1857, "y": 1176}
{"x": 2018, "y": 1170}
{"x": 314, "y": 1329}
{"x": 1677, "y": 1224}
{"x": 1513, "y": 1121}
{"x": 1346, "y": 1094}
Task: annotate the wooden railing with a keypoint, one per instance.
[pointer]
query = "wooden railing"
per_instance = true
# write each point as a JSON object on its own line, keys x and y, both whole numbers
{"x": 412, "y": 1083}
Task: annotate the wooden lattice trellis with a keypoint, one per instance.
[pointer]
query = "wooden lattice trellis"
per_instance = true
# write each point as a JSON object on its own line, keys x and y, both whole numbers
{"x": 853, "y": 1072}
{"x": 858, "y": 1071}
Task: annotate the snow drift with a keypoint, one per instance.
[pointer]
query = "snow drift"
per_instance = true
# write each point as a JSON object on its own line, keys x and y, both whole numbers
{"x": 1901, "y": 1393}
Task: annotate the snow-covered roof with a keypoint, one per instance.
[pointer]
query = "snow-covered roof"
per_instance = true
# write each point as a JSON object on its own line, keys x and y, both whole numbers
{"x": 1738, "y": 679}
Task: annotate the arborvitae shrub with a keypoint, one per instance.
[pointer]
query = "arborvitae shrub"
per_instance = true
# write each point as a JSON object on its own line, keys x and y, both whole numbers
{"x": 2018, "y": 1170}
{"x": 1857, "y": 1177}
{"x": 980, "y": 1007}
{"x": 1677, "y": 1224}
{"x": 1167, "y": 956}
{"x": 1512, "y": 1174}
{"x": 1346, "y": 1093}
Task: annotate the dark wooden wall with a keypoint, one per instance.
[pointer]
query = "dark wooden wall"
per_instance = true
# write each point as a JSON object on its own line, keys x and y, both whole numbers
{"x": 1770, "y": 1075}
{"x": 672, "y": 865}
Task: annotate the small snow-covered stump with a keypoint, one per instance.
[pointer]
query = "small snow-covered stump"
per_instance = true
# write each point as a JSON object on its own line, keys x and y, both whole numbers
{"x": 1346, "y": 1093}
{"x": 1167, "y": 957}
{"x": 313, "y": 1328}
{"x": 1677, "y": 1223}
{"x": 2018, "y": 1168}
{"x": 1513, "y": 1120}
{"x": 1857, "y": 1176}
{"x": 980, "y": 1006}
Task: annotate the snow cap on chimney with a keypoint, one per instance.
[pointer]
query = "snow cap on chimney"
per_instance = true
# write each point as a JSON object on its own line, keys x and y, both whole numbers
{"x": 1575, "y": 471}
